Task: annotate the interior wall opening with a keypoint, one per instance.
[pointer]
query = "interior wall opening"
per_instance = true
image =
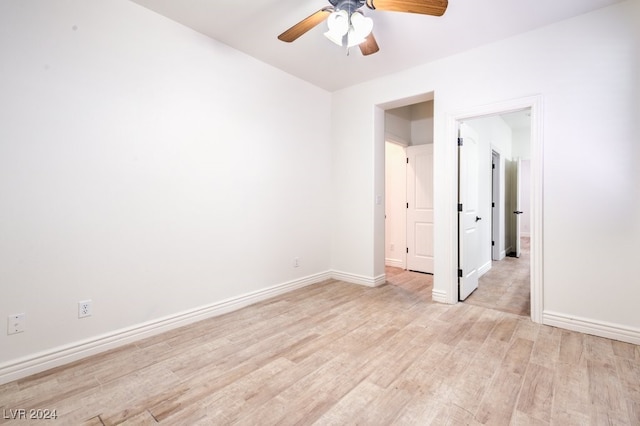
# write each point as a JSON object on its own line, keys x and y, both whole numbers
{"x": 409, "y": 187}
{"x": 494, "y": 255}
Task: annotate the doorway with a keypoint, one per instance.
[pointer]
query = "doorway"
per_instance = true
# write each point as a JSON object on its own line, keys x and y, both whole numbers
{"x": 504, "y": 284}
{"x": 409, "y": 214}
{"x": 485, "y": 193}
{"x": 497, "y": 155}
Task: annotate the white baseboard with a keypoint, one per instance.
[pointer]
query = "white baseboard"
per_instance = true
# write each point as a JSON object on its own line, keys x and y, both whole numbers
{"x": 439, "y": 296}
{"x": 36, "y": 363}
{"x": 359, "y": 279}
{"x": 395, "y": 263}
{"x": 596, "y": 328}
{"x": 484, "y": 269}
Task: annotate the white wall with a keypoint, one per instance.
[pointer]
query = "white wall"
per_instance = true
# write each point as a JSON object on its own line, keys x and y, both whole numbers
{"x": 422, "y": 123}
{"x": 410, "y": 124}
{"x": 589, "y": 160}
{"x": 522, "y": 144}
{"x": 148, "y": 168}
{"x": 397, "y": 125}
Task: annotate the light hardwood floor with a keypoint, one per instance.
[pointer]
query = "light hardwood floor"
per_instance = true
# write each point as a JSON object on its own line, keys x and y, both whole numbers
{"x": 506, "y": 286}
{"x": 336, "y": 353}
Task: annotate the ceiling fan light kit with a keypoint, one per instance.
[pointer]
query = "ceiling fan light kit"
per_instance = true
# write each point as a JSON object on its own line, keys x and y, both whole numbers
{"x": 338, "y": 24}
{"x": 345, "y": 30}
{"x": 361, "y": 27}
{"x": 347, "y": 26}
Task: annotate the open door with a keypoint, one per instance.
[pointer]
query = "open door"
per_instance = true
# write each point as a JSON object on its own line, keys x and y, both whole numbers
{"x": 420, "y": 208}
{"x": 496, "y": 213}
{"x": 468, "y": 239}
{"x": 513, "y": 207}
{"x": 395, "y": 201}
{"x": 517, "y": 212}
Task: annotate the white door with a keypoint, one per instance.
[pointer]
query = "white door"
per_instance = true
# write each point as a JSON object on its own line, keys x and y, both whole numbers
{"x": 395, "y": 200}
{"x": 420, "y": 208}
{"x": 513, "y": 207}
{"x": 517, "y": 212}
{"x": 496, "y": 215}
{"x": 469, "y": 242}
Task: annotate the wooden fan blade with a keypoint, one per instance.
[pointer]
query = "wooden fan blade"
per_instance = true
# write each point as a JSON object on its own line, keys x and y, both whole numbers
{"x": 425, "y": 7}
{"x": 305, "y": 25}
{"x": 369, "y": 46}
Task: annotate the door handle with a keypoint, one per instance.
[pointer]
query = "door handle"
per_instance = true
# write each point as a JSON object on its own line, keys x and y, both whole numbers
{"x": 518, "y": 212}
{"x": 478, "y": 218}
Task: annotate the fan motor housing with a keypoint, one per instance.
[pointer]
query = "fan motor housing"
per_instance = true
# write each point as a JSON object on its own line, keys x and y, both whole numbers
{"x": 348, "y": 5}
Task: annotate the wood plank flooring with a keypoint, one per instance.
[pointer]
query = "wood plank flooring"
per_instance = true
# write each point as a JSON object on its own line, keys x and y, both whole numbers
{"x": 337, "y": 353}
{"x": 506, "y": 286}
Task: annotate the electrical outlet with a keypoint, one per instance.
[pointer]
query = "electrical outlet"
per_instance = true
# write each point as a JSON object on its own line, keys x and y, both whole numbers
{"x": 84, "y": 308}
{"x": 296, "y": 262}
{"x": 16, "y": 323}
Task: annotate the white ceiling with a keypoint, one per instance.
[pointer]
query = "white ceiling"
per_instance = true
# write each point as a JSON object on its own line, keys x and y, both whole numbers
{"x": 518, "y": 120}
{"x": 405, "y": 39}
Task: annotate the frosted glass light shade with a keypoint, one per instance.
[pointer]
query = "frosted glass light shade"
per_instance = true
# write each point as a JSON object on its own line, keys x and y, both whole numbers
{"x": 360, "y": 28}
{"x": 361, "y": 25}
{"x": 338, "y": 23}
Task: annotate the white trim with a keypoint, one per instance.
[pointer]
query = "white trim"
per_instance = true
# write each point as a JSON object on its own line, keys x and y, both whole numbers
{"x": 537, "y": 200}
{"x": 447, "y": 280}
{"x": 449, "y": 275}
{"x": 484, "y": 269}
{"x": 359, "y": 279}
{"x": 396, "y": 263}
{"x": 389, "y": 137}
{"x": 439, "y": 296}
{"x": 596, "y": 328}
{"x": 61, "y": 355}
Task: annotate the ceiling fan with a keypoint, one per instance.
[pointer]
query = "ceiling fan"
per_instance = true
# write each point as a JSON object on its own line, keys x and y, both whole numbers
{"x": 349, "y": 27}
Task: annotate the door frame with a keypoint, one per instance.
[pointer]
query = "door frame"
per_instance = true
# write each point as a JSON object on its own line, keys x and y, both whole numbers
{"x": 451, "y": 146}
{"x": 518, "y": 204}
